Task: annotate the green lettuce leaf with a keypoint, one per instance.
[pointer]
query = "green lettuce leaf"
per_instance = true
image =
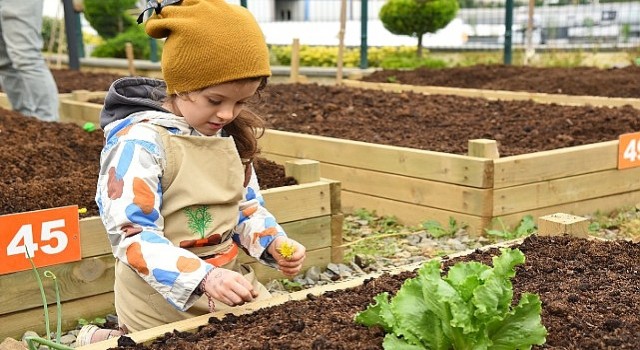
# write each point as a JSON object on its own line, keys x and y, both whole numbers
{"x": 468, "y": 309}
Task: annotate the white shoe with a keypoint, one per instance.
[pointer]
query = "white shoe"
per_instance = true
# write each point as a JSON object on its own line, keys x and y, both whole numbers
{"x": 85, "y": 334}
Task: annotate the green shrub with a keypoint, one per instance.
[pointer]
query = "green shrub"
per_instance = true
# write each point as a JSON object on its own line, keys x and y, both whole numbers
{"x": 417, "y": 17}
{"x": 115, "y": 47}
{"x": 109, "y": 18}
{"x": 327, "y": 56}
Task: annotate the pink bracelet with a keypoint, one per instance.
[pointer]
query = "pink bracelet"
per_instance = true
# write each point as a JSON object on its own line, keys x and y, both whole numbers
{"x": 202, "y": 288}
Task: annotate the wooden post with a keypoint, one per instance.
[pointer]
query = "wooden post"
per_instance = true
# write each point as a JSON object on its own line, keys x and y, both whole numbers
{"x": 563, "y": 224}
{"x": 129, "y": 51}
{"x": 295, "y": 61}
{"x": 484, "y": 148}
{"x": 60, "y": 45}
{"x": 337, "y": 221}
{"x": 343, "y": 20}
{"x": 303, "y": 170}
{"x": 80, "y": 95}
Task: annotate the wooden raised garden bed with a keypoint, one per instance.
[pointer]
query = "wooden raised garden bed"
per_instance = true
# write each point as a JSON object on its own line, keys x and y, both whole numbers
{"x": 586, "y": 286}
{"x": 476, "y": 189}
{"x": 416, "y": 184}
{"x": 310, "y": 212}
{"x": 560, "y": 99}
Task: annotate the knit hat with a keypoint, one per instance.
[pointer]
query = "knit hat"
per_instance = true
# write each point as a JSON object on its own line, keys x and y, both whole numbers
{"x": 209, "y": 42}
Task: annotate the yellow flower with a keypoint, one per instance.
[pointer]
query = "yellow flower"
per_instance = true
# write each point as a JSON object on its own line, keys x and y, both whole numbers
{"x": 82, "y": 211}
{"x": 286, "y": 249}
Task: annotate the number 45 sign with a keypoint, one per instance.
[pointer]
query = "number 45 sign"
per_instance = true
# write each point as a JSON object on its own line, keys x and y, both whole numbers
{"x": 51, "y": 237}
{"x": 629, "y": 150}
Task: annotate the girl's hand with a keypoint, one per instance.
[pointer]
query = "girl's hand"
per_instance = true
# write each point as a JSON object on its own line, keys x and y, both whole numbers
{"x": 229, "y": 287}
{"x": 289, "y": 255}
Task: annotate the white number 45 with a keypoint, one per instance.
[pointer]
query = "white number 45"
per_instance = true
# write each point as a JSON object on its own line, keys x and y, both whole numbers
{"x": 631, "y": 152}
{"x": 50, "y": 230}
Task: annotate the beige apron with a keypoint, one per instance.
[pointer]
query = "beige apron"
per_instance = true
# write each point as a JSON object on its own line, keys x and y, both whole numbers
{"x": 202, "y": 187}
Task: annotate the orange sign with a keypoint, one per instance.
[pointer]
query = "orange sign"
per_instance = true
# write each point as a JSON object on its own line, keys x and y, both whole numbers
{"x": 51, "y": 236}
{"x": 629, "y": 150}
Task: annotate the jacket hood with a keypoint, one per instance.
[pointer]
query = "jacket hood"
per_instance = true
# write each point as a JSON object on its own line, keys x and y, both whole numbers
{"x": 130, "y": 95}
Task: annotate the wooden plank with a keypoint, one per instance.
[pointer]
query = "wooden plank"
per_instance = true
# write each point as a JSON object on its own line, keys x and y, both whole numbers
{"x": 560, "y": 224}
{"x": 93, "y": 237}
{"x": 564, "y": 190}
{"x": 561, "y": 99}
{"x": 192, "y": 324}
{"x": 585, "y": 207}
{"x": 437, "y": 166}
{"x": 337, "y": 250}
{"x": 4, "y": 101}
{"x": 14, "y": 325}
{"x": 303, "y": 170}
{"x": 291, "y": 203}
{"x": 86, "y": 95}
{"x": 446, "y": 196}
{"x": 411, "y": 214}
{"x": 547, "y": 165}
{"x": 314, "y": 233}
{"x": 79, "y": 112}
{"x": 280, "y": 159}
{"x": 75, "y": 280}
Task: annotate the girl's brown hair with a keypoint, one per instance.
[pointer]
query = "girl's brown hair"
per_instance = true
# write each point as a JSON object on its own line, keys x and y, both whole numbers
{"x": 247, "y": 128}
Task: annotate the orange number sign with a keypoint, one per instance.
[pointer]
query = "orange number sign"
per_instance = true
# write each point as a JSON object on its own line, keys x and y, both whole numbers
{"x": 629, "y": 150}
{"x": 51, "y": 236}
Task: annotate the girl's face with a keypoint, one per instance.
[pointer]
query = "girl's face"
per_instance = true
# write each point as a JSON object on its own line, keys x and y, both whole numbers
{"x": 210, "y": 109}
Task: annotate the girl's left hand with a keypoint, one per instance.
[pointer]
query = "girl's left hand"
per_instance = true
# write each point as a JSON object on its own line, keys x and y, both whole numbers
{"x": 289, "y": 265}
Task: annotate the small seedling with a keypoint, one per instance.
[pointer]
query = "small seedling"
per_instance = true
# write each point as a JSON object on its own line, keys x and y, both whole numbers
{"x": 33, "y": 341}
{"x": 435, "y": 229}
{"x": 526, "y": 227}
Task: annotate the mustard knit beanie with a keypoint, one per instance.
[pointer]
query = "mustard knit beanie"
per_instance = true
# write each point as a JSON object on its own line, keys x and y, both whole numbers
{"x": 209, "y": 42}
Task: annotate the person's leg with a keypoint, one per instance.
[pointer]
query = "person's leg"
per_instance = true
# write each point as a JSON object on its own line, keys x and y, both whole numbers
{"x": 32, "y": 86}
{"x": 10, "y": 79}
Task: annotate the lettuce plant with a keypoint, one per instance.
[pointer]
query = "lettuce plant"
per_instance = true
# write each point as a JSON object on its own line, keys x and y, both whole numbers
{"x": 471, "y": 309}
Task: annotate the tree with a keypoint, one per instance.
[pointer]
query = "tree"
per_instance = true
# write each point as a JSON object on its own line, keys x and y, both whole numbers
{"x": 417, "y": 17}
{"x": 109, "y": 18}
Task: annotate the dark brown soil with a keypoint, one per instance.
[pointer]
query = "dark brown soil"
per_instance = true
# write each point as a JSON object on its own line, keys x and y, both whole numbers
{"x": 47, "y": 165}
{"x": 586, "y": 81}
{"x": 441, "y": 123}
{"x": 69, "y": 80}
{"x": 589, "y": 291}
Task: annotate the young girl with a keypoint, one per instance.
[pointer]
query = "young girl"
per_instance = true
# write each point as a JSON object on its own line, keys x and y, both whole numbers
{"x": 177, "y": 192}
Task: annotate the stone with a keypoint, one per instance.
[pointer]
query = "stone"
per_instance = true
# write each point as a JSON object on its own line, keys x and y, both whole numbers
{"x": 12, "y": 344}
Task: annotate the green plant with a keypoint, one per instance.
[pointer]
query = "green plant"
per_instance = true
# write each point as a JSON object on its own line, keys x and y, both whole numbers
{"x": 470, "y": 308}
{"x": 109, "y": 18}
{"x": 525, "y": 227}
{"x": 116, "y": 47}
{"x": 32, "y": 341}
{"x": 397, "y": 62}
{"x": 435, "y": 229}
{"x": 417, "y": 17}
{"x": 99, "y": 321}
{"x": 290, "y": 285}
{"x": 625, "y": 221}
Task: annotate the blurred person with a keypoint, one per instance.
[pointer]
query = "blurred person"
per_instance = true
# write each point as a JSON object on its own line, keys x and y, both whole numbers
{"x": 24, "y": 75}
